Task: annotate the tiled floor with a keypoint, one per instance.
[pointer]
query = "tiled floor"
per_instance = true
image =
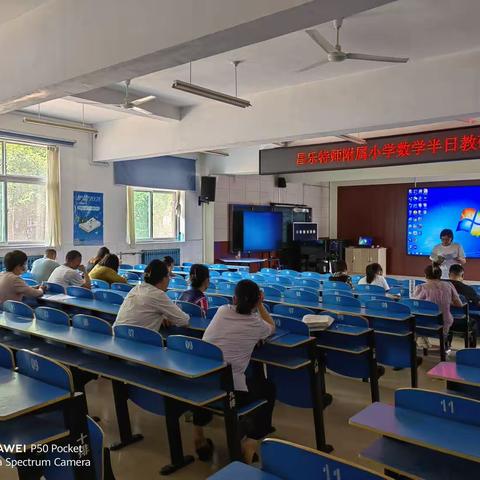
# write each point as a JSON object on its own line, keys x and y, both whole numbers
{"x": 143, "y": 460}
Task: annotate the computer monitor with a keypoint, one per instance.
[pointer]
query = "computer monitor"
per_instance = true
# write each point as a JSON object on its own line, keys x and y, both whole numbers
{"x": 365, "y": 241}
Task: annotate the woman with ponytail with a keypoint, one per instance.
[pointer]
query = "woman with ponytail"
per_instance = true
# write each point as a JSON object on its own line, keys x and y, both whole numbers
{"x": 374, "y": 276}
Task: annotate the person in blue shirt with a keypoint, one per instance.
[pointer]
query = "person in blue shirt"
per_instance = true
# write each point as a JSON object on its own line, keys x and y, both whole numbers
{"x": 42, "y": 268}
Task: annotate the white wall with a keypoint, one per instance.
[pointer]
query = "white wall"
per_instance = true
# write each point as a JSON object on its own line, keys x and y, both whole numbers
{"x": 78, "y": 174}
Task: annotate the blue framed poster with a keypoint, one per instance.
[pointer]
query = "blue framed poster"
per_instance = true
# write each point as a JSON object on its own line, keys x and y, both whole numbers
{"x": 87, "y": 218}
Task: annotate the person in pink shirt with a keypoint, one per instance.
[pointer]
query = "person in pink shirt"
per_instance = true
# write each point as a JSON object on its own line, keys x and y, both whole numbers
{"x": 12, "y": 286}
{"x": 439, "y": 292}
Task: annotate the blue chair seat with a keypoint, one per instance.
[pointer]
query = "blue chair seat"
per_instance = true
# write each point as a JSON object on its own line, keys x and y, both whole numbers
{"x": 217, "y": 407}
{"x": 100, "y": 283}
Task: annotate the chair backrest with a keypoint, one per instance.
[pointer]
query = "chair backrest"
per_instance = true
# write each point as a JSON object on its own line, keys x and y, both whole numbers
{"x": 347, "y": 319}
{"x": 138, "y": 334}
{"x": 344, "y": 293}
{"x": 214, "y": 273}
{"x": 370, "y": 289}
{"x": 187, "y": 264}
{"x": 386, "y": 307}
{"x": 335, "y": 301}
{"x": 177, "y": 282}
{"x": 300, "y": 296}
{"x": 393, "y": 282}
{"x": 227, "y": 288}
{"x": 100, "y": 283}
{"x": 336, "y": 286}
{"x": 196, "y": 346}
{"x": 6, "y": 357}
{"x": 288, "y": 273}
{"x": 123, "y": 287}
{"x": 214, "y": 301}
{"x": 30, "y": 282}
{"x": 314, "y": 290}
{"x": 97, "y": 447}
{"x": 190, "y": 308}
{"x": 52, "y": 315}
{"x": 108, "y": 296}
{"x": 18, "y": 308}
{"x": 284, "y": 459}
{"x": 26, "y": 275}
{"x": 293, "y": 312}
{"x": 172, "y": 295}
{"x": 307, "y": 282}
{"x": 313, "y": 275}
{"x": 281, "y": 280}
{"x": 92, "y": 324}
{"x": 44, "y": 369}
{"x": 125, "y": 266}
{"x": 367, "y": 297}
{"x": 79, "y": 292}
{"x": 291, "y": 324}
{"x": 132, "y": 276}
{"x": 421, "y": 305}
{"x": 272, "y": 292}
{"x": 232, "y": 275}
{"x": 356, "y": 278}
{"x": 211, "y": 312}
{"x": 277, "y": 286}
{"x": 140, "y": 266}
{"x": 273, "y": 271}
{"x": 54, "y": 287}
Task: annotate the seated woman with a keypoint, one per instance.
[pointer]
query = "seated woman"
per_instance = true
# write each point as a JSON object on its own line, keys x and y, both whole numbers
{"x": 374, "y": 276}
{"x": 199, "y": 282}
{"x": 102, "y": 251}
{"x": 236, "y": 329}
{"x": 12, "y": 286}
{"x": 170, "y": 263}
{"x": 147, "y": 305}
{"x": 439, "y": 292}
{"x": 107, "y": 270}
{"x": 341, "y": 273}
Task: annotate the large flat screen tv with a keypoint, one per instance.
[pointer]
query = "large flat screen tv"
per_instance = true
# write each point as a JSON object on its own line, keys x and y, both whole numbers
{"x": 430, "y": 210}
{"x": 261, "y": 231}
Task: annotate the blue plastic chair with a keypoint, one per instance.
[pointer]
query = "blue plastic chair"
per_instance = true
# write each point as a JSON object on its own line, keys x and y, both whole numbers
{"x": 27, "y": 275}
{"x": 217, "y": 280}
{"x": 336, "y": 286}
{"x": 312, "y": 275}
{"x": 356, "y": 279}
{"x": 173, "y": 295}
{"x": 132, "y": 276}
{"x": 52, "y": 315}
{"x": 281, "y": 280}
{"x": 289, "y": 273}
{"x": 100, "y": 284}
{"x": 344, "y": 293}
{"x": 92, "y": 324}
{"x": 226, "y": 288}
{"x": 233, "y": 276}
{"x": 277, "y": 286}
{"x": 403, "y": 292}
{"x": 214, "y": 301}
{"x": 18, "y": 308}
{"x": 54, "y": 287}
{"x": 140, "y": 266}
{"x": 393, "y": 282}
{"x": 370, "y": 289}
{"x": 271, "y": 292}
{"x": 178, "y": 282}
{"x": 307, "y": 282}
{"x": 30, "y": 282}
{"x": 125, "y": 266}
{"x": 80, "y": 292}
{"x": 211, "y": 312}
{"x": 7, "y": 359}
{"x": 339, "y": 302}
{"x": 187, "y": 264}
{"x": 367, "y": 297}
{"x": 300, "y": 296}
{"x": 271, "y": 271}
{"x": 123, "y": 287}
{"x": 190, "y": 308}
{"x": 138, "y": 334}
{"x": 313, "y": 290}
{"x": 108, "y": 296}
{"x": 293, "y": 312}
{"x": 214, "y": 273}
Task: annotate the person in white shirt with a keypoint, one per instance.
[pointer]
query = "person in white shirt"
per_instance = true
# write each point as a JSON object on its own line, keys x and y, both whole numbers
{"x": 236, "y": 329}
{"x": 447, "y": 253}
{"x": 147, "y": 305}
{"x": 374, "y": 276}
{"x": 42, "y": 268}
{"x": 68, "y": 274}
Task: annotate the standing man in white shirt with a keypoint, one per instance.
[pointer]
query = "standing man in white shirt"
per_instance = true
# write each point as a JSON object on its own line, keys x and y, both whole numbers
{"x": 42, "y": 268}
{"x": 70, "y": 273}
{"x": 447, "y": 253}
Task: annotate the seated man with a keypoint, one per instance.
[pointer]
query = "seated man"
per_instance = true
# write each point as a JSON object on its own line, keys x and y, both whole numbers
{"x": 455, "y": 276}
{"x": 42, "y": 268}
{"x": 68, "y": 274}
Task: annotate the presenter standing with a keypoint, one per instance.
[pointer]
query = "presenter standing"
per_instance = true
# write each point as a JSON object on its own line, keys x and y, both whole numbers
{"x": 447, "y": 252}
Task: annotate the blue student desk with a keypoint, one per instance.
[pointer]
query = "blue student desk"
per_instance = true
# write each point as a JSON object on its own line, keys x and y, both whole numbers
{"x": 447, "y": 425}
{"x": 81, "y": 303}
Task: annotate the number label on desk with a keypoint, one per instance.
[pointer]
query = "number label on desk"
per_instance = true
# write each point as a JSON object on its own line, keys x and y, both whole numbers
{"x": 334, "y": 475}
{"x": 447, "y": 406}
{"x": 384, "y": 305}
{"x": 189, "y": 345}
{"x": 34, "y": 364}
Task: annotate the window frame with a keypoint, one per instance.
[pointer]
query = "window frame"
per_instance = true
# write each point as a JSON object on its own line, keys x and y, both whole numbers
{"x": 151, "y": 192}
{"x": 5, "y": 179}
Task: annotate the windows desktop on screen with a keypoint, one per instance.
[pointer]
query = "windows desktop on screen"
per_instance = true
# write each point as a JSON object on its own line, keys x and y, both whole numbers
{"x": 430, "y": 210}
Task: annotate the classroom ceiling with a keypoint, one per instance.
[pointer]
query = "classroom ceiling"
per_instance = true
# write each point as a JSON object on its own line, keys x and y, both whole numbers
{"x": 11, "y": 9}
{"x": 419, "y": 29}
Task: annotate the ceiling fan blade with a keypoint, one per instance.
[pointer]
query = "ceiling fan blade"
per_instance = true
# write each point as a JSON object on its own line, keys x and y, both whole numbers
{"x": 320, "y": 40}
{"x": 313, "y": 65}
{"x": 141, "y": 101}
{"x": 141, "y": 110}
{"x": 376, "y": 58}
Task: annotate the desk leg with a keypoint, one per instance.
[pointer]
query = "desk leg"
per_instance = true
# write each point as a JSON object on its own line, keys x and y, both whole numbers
{"x": 374, "y": 390}
{"x": 317, "y": 387}
{"x": 413, "y": 356}
{"x": 230, "y": 416}
{"x": 441, "y": 338}
{"x": 173, "y": 411}
{"x": 75, "y": 414}
{"x": 120, "y": 397}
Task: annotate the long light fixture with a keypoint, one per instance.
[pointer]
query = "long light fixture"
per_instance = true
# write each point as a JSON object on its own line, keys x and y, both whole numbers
{"x": 217, "y": 152}
{"x": 351, "y": 138}
{"x": 189, "y": 87}
{"x": 48, "y": 123}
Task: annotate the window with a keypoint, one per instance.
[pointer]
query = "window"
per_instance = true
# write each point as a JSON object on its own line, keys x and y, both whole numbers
{"x": 23, "y": 197}
{"x": 155, "y": 214}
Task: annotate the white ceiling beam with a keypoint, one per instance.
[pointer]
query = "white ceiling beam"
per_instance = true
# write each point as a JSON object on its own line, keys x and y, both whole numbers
{"x": 66, "y": 47}
{"x": 109, "y": 97}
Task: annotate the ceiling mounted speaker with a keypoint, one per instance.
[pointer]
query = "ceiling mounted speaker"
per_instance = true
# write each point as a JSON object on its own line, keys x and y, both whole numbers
{"x": 281, "y": 182}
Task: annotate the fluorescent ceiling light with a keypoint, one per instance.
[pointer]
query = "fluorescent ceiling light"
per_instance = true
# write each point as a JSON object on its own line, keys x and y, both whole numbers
{"x": 48, "y": 123}
{"x": 351, "y": 138}
{"x": 216, "y": 152}
{"x": 211, "y": 94}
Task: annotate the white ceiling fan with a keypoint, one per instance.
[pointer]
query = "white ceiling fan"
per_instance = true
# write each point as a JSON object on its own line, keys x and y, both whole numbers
{"x": 135, "y": 104}
{"x": 336, "y": 54}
